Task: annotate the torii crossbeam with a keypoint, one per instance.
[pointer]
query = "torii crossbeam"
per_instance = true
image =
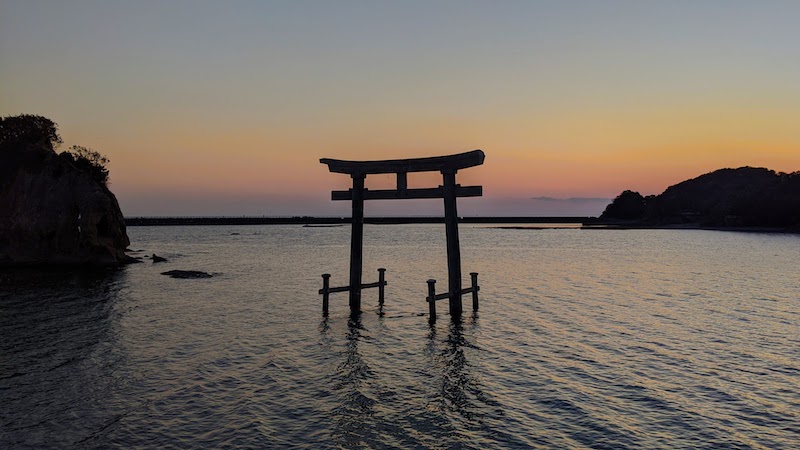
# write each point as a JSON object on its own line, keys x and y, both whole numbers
{"x": 449, "y": 191}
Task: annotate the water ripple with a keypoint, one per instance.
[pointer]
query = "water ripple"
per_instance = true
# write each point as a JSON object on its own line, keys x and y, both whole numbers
{"x": 640, "y": 339}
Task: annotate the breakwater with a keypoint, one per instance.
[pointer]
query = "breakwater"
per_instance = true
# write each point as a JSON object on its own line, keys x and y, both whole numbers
{"x": 308, "y": 220}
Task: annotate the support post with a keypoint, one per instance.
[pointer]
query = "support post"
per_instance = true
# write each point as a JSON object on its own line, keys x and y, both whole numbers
{"x": 356, "y": 243}
{"x": 402, "y": 182}
{"x": 432, "y": 300}
{"x": 381, "y": 284}
{"x": 453, "y": 250}
{"x": 326, "y": 282}
{"x": 475, "y": 288}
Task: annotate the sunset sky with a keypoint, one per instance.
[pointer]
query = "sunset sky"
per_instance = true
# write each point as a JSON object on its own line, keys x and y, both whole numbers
{"x": 224, "y": 108}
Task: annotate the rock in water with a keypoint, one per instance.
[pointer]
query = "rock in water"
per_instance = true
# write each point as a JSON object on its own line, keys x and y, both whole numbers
{"x": 158, "y": 259}
{"x": 54, "y": 213}
{"x": 186, "y": 274}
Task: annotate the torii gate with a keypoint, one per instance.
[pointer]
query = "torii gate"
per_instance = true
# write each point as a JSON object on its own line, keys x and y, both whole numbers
{"x": 449, "y": 191}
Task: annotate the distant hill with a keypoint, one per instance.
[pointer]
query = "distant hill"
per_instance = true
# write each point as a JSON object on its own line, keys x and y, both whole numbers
{"x": 743, "y": 197}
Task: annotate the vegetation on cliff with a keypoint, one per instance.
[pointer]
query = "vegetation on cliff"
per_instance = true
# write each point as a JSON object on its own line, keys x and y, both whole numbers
{"x": 743, "y": 197}
{"x": 26, "y": 130}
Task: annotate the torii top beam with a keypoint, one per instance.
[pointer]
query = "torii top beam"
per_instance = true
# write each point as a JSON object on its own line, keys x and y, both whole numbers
{"x": 431, "y": 164}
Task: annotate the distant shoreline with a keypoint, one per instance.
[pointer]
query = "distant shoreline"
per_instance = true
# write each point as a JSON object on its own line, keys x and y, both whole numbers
{"x": 615, "y": 226}
{"x": 583, "y": 223}
{"x": 173, "y": 221}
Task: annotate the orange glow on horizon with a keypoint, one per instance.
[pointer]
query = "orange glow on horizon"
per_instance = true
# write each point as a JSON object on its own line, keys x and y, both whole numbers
{"x": 521, "y": 162}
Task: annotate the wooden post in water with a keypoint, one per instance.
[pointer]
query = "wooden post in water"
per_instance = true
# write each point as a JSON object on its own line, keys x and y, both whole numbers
{"x": 381, "y": 284}
{"x": 356, "y": 243}
{"x": 453, "y": 250}
{"x": 475, "y": 289}
{"x": 432, "y": 300}
{"x": 402, "y": 182}
{"x": 326, "y": 279}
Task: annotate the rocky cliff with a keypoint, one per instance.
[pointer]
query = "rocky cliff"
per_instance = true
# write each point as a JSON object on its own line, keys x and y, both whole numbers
{"x": 51, "y": 212}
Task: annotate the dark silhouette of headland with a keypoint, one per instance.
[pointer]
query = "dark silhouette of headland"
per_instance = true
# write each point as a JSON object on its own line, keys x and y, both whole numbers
{"x": 743, "y": 198}
{"x": 55, "y": 208}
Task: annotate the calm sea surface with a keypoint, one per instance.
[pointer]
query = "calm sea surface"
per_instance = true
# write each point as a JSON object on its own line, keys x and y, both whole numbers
{"x": 584, "y": 339}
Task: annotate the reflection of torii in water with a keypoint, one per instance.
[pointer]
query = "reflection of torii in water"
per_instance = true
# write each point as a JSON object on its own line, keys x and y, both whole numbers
{"x": 358, "y": 394}
{"x": 449, "y": 191}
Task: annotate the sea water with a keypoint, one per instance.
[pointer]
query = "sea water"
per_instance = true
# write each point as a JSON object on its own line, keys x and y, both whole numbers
{"x": 584, "y": 339}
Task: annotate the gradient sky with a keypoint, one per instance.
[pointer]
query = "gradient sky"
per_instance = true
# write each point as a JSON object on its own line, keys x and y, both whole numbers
{"x": 224, "y": 108}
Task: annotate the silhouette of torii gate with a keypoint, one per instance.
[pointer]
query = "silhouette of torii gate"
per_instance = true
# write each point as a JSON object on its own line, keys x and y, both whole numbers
{"x": 449, "y": 191}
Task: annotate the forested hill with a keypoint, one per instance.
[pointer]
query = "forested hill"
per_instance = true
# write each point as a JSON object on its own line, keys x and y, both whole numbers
{"x": 743, "y": 197}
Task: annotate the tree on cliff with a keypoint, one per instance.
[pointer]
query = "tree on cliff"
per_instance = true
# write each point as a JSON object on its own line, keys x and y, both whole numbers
{"x": 27, "y": 129}
{"x": 89, "y": 161}
{"x": 628, "y": 205}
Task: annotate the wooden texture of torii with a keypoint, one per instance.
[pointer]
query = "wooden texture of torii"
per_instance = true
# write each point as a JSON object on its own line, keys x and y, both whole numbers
{"x": 448, "y": 166}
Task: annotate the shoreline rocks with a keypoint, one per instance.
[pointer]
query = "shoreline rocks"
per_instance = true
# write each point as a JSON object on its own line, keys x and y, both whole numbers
{"x": 187, "y": 274}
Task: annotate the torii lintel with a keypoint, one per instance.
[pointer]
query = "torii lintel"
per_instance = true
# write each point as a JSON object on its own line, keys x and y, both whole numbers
{"x": 430, "y": 164}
